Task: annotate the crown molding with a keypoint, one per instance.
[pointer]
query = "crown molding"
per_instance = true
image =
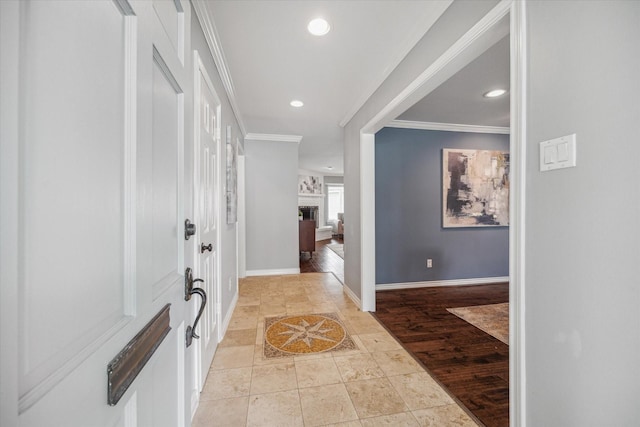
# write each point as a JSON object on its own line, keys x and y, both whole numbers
{"x": 487, "y": 30}
{"x": 213, "y": 41}
{"x": 449, "y": 127}
{"x": 272, "y": 137}
{"x": 402, "y": 51}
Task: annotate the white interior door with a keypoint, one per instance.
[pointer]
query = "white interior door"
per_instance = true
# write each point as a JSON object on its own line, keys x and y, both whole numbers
{"x": 92, "y": 196}
{"x": 207, "y": 156}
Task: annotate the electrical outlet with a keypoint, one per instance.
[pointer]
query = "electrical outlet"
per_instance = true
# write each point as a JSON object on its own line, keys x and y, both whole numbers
{"x": 429, "y": 263}
{"x": 230, "y": 282}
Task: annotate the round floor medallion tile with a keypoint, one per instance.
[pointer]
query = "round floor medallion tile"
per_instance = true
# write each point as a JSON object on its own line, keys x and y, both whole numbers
{"x": 304, "y": 334}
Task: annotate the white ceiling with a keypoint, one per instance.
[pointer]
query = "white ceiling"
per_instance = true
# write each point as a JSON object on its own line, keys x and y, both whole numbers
{"x": 460, "y": 99}
{"x": 272, "y": 59}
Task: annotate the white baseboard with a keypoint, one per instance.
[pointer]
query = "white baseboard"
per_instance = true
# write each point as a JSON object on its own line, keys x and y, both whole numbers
{"x": 227, "y": 317}
{"x": 433, "y": 283}
{"x": 274, "y": 272}
{"x": 353, "y": 296}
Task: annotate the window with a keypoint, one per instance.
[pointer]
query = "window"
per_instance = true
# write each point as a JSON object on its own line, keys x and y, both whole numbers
{"x": 335, "y": 200}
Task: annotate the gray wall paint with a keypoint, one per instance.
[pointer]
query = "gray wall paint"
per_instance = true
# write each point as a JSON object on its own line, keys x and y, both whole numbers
{"x": 582, "y": 290}
{"x": 271, "y": 205}
{"x": 456, "y": 20}
{"x": 329, "y": 179}
{"x": 409, "y": 211}
{"x": 582, "y": 234}
{"x": 227, "y": 251}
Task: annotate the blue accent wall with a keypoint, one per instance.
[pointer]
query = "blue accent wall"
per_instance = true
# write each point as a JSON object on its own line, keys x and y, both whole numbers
{"x": 409, "y": 211}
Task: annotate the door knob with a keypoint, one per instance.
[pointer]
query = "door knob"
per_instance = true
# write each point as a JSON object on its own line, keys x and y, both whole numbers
{"x": 189, "y": 229}
{"x": 203, "y": 248}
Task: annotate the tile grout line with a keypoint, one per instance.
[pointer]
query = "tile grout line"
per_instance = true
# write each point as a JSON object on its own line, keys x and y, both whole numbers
{"x": 343, "y": 312}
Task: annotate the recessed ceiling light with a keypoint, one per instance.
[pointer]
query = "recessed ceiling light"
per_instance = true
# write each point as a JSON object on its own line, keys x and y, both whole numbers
{"x": 318, "y": 27}
{"x": 495, "y": 93}
{"x": 330, "y": 167}
{"x": 296, "y": 103}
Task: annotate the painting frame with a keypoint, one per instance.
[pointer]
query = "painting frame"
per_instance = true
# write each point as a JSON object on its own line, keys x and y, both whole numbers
{"x": 309, "y": 185}
{"x": 475, "y": 188}
{"x": 231, "y": 177}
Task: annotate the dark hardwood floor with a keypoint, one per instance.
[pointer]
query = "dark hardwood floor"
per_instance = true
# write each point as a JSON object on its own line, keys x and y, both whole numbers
{"x": 323, "y": 260}
{"x": 470, "y": 363}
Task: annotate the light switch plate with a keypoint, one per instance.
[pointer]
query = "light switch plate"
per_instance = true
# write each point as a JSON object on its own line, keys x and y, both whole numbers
{"x": 558, "y": 153}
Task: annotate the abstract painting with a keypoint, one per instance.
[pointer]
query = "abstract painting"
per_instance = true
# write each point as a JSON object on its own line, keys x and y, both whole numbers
{"x": 232, "y": 179}
{"x": 475, "y": 188}
{"x": 309, "y": 184}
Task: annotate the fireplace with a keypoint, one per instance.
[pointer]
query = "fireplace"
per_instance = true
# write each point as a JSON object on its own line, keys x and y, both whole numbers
{"x": 309, "y": 213}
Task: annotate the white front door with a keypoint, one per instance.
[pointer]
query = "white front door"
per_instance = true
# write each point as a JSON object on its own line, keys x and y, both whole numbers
{"x": 92, "y": 199}
{"x": 207, "y": 154}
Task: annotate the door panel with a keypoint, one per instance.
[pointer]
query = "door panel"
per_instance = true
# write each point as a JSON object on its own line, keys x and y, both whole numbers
{"x": 60, "y": 246}
{"x": 207, "y": 187}
{"x": 167, "y": 248}
{"x": 95, "y": 197}
{"x": 208, "y": 237}
{"x": 165, "y": 383}
{"x": 172, "y": 19}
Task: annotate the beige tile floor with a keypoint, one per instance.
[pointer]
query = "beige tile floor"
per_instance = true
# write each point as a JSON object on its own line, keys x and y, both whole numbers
{"x": 377, "y": 385}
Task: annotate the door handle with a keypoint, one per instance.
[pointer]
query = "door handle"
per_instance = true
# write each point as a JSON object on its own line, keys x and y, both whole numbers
{"x": 206, "y": 248}
{"x": 188, "y": 291}
{"x": 191, "y": 331}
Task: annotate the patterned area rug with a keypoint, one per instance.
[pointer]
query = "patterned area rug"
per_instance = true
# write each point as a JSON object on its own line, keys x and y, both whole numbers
{"x": 492, "y": 319}
{"x": 304, "y": 334}
{"x": 338, "y": 248}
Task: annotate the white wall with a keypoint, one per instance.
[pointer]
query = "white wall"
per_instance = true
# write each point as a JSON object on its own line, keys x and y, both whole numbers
{"x": 582, "y": 234}
{"x": 271, "y": 207}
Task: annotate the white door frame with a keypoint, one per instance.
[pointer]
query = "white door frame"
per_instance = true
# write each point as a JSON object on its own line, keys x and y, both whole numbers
{"x": 482, "y": 35}
{"x": 199, "y": 69}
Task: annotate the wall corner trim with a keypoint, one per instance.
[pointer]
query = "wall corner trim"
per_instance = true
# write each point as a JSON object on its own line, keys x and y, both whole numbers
{"x": 272, "y": 137}
{"x": 273, "y": 272}
{"x": 351, "y": 295}
{"x": 433, "y": 283}
{"x": 448, "y": 127}
{"x": 215, "y": 46}
{"x": 227, "y": 317}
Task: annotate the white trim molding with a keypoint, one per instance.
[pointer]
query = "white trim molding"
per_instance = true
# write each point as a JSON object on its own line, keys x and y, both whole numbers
{"x": 448, "y": 127}
{"x": 517, "y": 244}
{"x": 481, "y": 36}
{"x": 215, "y": 46}
{"x": 274, "y": 272}
{"x": 367, "y": 222}
{"x": 272, "y": 137}
{"x": 434, "y": 283}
